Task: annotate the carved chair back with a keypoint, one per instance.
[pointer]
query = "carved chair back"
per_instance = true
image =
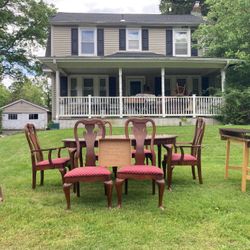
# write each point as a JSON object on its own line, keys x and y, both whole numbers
{"x": 30, "y": 132}
{"x": 91, "y": 129}
{"x": 106, "y": 124}
{"x": 140, "y": 132}
{"x": 198, "y": 135}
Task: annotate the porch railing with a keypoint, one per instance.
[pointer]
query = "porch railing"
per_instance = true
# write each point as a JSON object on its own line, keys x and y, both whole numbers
{"x": 95, "y": 106}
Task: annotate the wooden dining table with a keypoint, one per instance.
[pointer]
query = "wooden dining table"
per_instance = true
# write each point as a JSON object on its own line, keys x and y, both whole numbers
{"x": 160, "y": 139}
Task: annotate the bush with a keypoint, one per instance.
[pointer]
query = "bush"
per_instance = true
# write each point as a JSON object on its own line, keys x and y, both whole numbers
{"x": 236, "y": 108}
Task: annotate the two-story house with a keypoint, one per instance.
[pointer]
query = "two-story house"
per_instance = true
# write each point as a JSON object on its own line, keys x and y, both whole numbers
{"x": 115, "y": 65}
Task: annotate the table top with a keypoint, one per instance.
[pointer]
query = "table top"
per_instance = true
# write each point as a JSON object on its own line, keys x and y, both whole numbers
{"x": 159, "y": 138}
{"x": 240, "y": 133}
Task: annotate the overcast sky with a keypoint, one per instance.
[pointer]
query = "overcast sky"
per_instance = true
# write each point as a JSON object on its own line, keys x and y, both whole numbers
{"x": 101, "y": 6}
{"x": 107, "y": 6}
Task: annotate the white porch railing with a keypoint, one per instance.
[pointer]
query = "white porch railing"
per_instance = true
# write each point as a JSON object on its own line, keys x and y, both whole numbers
{"x": 95, "y": 106}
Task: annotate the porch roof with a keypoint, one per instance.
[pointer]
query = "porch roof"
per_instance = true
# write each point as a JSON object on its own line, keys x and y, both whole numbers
{"x": 110, "y": 64}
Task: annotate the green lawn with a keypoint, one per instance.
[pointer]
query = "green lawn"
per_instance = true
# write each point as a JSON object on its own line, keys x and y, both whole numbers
{"x": 215, "y": 215}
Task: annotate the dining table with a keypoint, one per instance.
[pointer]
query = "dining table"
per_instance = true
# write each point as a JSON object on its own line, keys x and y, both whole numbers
{"x": 159, "y": 140}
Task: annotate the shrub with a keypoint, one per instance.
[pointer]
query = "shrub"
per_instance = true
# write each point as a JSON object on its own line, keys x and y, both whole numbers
{"x": 236, "y": 108}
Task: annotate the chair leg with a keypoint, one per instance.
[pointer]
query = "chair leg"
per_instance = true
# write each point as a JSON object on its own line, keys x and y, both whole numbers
{"x": 126, "y": 186}
{"x": 164, "y": 166}
{"x": 33, "y": 179}
{"x": 41, "y": 177}
{"x": 114, "y": 171}
{"x": 78, "y": 189}
{"x": 62, "y": 172}
{"x": 161, "y": 188}
{"x": 118, "y": 186}
{"x": 169, "y": 177}
{"x": 193, "y": 172}
{"x": 199, "y": 173}
{"x": 108, "y": 189}
{"x": 66, "y": 189}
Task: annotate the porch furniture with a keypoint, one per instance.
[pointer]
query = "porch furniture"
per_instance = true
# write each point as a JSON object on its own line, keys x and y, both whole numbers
{"x": 140, "y": 171}
{"x": 37, "y": 157}
{"x": 172, "y": 158}
{"x": 240, "y": 136}
{"x": 159, "y": 140}
{"x": 90, "y": 172}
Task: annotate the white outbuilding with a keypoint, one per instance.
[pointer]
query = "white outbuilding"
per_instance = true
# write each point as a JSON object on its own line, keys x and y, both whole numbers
{"x": 16, "y": 114}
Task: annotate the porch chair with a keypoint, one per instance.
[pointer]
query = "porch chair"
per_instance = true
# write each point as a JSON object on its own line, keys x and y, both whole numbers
{"x": 172, "y": 159}
{"x": 90, "y": 172}
{"x": 140, "y": 171}
{"x": 37, "y": 157}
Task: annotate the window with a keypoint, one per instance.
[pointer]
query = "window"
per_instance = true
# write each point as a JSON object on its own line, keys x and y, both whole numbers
{"x": 133, "y": 39}
{"x": 73, "y": 87}
{"x": 88, "y": 87}
{"x": 103, "y": 87}
{"x": 87, "y": 42}
{"x": 196, "y": 86}
{"x": 33, "y": 116}
{"x": 167, "y": 87}
{"x": 12, "y": 116}
{"x": 181, "y": 42}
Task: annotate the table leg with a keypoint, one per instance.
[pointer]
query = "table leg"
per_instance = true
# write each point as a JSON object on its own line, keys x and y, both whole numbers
{"x": 244, "y": 167}
{"x": 159, "y": 155}
{"x": 227, "y": 158}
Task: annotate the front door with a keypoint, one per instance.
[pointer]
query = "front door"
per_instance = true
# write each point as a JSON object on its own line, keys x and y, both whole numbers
{"x": 135, "y": 87}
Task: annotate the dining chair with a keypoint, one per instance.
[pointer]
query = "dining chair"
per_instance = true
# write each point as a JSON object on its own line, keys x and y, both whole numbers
{"x": 90, "y": 172}
{"x": 140, "y": 171}
{"x": 39, "y": 162}
{"x": 179, "y": 158}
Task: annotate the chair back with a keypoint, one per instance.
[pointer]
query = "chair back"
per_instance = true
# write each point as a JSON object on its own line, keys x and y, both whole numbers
{"x": 106, "y": 124}
{"x": 198, "y": 134}
{"x": 91, "y": 129}
{"x": 139, "y": 131}
{"x": 31, "y": 136}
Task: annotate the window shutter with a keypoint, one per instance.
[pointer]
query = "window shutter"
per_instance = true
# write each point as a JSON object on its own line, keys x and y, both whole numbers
{"x": 144, "y": 39}
{"x": 169, "y": 42}
{"x": 194, "y": 51}
{"x": 122, "y": 39}
{"x": 74, "y": 41}
{"x": 63, "y": 86}
{"x": 100, "y": 42}
{"x": 112, "y": 86}
{"x": 158, "y": 86}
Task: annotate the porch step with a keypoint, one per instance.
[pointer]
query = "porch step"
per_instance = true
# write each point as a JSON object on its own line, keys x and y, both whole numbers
{"x": 119, "y": 122}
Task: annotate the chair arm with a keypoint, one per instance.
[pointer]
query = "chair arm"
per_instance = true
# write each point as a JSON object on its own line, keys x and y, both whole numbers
{"x": 73, "y": 157}
{"x": 181, "y": 147}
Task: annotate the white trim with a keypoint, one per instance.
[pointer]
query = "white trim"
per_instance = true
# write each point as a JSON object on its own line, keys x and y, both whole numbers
{"x": 175, "y": 30}
{"x": 134, "y": 78}
{"x": 127, "y": 40}
{"x": 94, "y": 29}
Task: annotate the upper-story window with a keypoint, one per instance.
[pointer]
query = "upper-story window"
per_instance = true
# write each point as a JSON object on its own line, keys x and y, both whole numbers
{"x": 181, "y": 42}
{"x": 133, "y": 39}
{"x": 88, "y": 41}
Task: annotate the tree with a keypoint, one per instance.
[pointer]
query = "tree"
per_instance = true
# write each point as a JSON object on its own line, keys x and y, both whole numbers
{"x": 23, "y": 27}
{"x": 4, "y": 95}
{"x": 181, "y": 6}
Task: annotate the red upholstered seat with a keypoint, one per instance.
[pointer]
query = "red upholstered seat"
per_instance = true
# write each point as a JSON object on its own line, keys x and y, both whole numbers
{"x": 187, "y": 157}
{"x": 146, "y": 151}
{"x": 57, "y": 161}
{"x": 140, "y": 170}
{"x": 87, "y": 171}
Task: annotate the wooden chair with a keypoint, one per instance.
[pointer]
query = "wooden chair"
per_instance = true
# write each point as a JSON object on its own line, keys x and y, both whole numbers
{"x": 172, "y": 159}
{"x": 90, "y": 172}
{"x": 139, "y": 171}
{"x": 37, "y": 157}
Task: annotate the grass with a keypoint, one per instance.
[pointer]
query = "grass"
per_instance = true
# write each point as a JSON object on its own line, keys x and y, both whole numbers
{"x": 215, "y": 215}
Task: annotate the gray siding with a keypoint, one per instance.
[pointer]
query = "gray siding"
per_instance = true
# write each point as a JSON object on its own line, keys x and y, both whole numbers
{"x": 157, "y": 40}
{"x": 111, "y": 41}
{"x": 23, "y": 107}
{"x": 61, "y": 41}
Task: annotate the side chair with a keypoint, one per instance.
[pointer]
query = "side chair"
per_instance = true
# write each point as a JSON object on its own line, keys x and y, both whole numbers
{"x": 39, "y": 163}
{"x": 140, "y": 171}
{"x": 177, "y": 157}
{"x": 90, "y": 172}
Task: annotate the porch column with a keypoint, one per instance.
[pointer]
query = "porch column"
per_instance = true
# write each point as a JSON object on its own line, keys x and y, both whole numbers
{"x": 57, "y": 94}
{"x": 163, "y": 91}
{"x": 120, "y": 91}
{"x": 223, "y": 79}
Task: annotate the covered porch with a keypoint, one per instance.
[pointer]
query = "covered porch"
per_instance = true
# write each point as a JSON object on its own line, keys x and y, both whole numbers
{"x": 135, "y": 86}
